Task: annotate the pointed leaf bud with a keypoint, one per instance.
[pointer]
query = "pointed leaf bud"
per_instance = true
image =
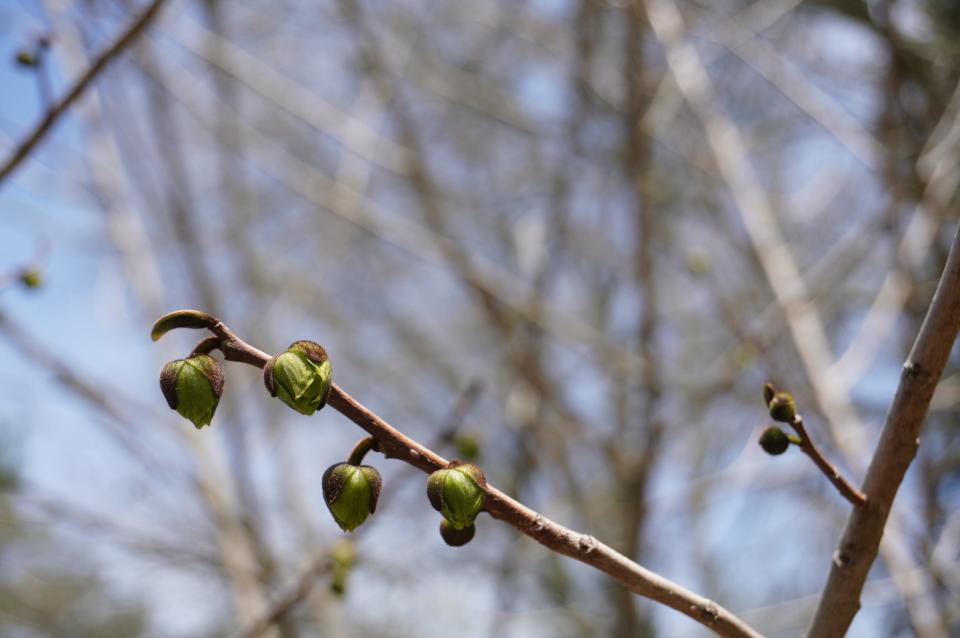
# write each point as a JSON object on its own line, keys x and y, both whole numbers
{"x": 300, "y": 377}
{"x": 768, "y": 393}
{"x": 181, "y": 319}
{"x": 782, "y": 407}
{"x": 193, "y": 387}
{"x": 774, "y": 441}
{"x": 457, "y": 492}
{"x": 456, "y": 537}
{"x": 351, "y": 493}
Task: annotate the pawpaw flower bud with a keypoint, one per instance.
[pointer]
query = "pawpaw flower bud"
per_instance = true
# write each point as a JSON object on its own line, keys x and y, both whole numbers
{"x": 782, "y": 407}
{"x": 467, "y": 446}
{"x": 774, "y": 441}
{"x": 351, "y": 493}
{"x": 456, "y": 537}
{"x": 300, "y": 377}
{"x": 25, "y": 58}
{"x": 458, "y": 493}
{"x": 342, "y": 558}
{"x": 30, "y": 278}
{"x": 193, "y": 387}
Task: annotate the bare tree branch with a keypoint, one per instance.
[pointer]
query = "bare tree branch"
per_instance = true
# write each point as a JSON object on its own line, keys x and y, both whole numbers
{"x": 79, "y": 86}
{"x": 898, "y": 444}
{"x": 585, "y": 548}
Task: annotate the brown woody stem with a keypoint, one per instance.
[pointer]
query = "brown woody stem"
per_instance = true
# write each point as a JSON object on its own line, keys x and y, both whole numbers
{"x": 394, "y": 444}
{"x": 847, "y": 490}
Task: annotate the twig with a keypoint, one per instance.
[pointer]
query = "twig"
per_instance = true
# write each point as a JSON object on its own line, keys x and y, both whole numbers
{"x": 54, "y": 112}
{"x": 898, "y": 444}
{"x": 289, "y": 599}
{"x": 773, "y": 254}
{"x": 394, "y": 444}
{"x": 848, "y": 491}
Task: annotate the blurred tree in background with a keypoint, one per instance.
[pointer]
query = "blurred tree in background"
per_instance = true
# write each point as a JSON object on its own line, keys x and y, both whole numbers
{"x": 515, "y": 228}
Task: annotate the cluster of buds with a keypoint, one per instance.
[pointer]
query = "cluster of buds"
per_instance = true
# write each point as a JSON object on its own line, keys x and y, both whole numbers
{"x": 458, "y": 493}
{"x": 301, "y": 377}
{"x": 31, "y": 56}
{"x": 782, "y": 408}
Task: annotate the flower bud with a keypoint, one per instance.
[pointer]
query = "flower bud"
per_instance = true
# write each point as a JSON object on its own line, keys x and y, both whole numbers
{"x": 342, "y": 557}
{"x": 774, "y": 441}
{"x": 300, "y": 377}
{"x": 193, "y": 387}
{"x": 457, "y": 492}
{"x": 351, "y": 493}
{"x": 26, "y": 59}
{"x": 467, "y": 446}
{"x": 782, "y": 407}
{"x": 456, "y": 537}
{"x": 30, "y": 278}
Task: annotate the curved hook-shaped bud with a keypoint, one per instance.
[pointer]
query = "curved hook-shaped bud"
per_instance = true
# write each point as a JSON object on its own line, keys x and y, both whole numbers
{"x": 181, "y": 319}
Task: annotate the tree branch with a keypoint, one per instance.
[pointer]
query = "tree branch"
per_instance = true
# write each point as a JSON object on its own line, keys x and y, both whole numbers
{"x": 394, "y": 444}
{"x": 79, "y": 86}
{"x": 898, "y": 444}
{"x": 848, "y": 491}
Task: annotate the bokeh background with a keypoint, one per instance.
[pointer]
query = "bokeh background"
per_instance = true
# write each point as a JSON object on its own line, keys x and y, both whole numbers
{"x": 572, "y": 237}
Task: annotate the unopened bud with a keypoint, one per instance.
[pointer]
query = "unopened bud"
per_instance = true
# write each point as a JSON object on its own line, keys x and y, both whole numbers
{"x": 193, "y": 387}
{"x": 457, "y": 492}
{"x": 456, "y": 537}
{"x": 467, "y": 446}
{"x": 774, "y": 441}
{"x": 26, "y": 59}
{"x": 300, "y": 377}
{"x": 30, "y": 278}
{"x": 351, "y": 493}
{"x": 782, "y": 407}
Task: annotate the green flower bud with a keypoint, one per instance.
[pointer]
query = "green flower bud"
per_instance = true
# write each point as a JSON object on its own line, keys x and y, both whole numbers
{"x": 782, "y": 408}
{"x": 300, "y": 377}
{"x": 30, "y": 278}
{"x": 458, "y": 493}
{"x": 467, "y": 446}
{"x": 774, "y": 441}
{"x": 342, "y": 557}
{"x": 456, "y": 537}
{"x": 25, "y": 58}
{"x": 193, "y": 387}
{"x": 351, "y": 493}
